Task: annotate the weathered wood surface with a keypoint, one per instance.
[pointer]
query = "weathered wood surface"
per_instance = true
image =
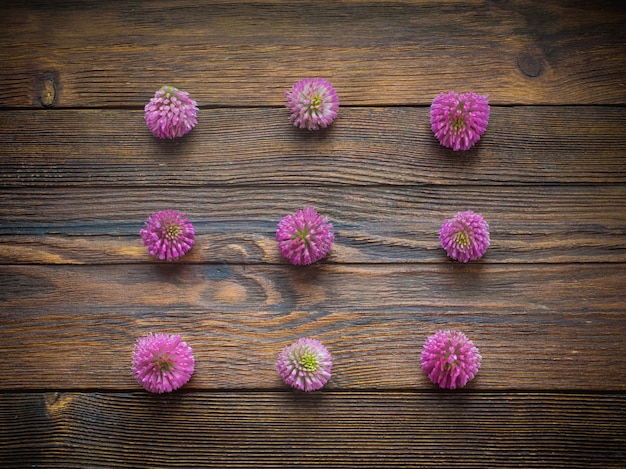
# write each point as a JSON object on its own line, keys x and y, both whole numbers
{"x": 313, "y": 430}
{"x": 538, "y": 327}
{"x": 528, "y": 223}
{"x": 546, "y": 305}
{"x": 101, "y": 54}
{"x": 365, "y": 146}
{"x": 451, "y": 287}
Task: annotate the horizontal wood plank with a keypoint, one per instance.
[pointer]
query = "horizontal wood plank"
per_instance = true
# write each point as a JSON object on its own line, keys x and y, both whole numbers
{"x": 98, "y": 54}
{"x": 442, "y": 287}
{"x": 376, "y": 224}
{"x": 550, "y": 327}
{"x": 225, "y": 430}
{"x": 365, "y": 146}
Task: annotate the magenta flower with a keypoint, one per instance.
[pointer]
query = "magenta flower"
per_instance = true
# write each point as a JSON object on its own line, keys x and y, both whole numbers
{"x": 304, "y": 237}
{"x": 465, "y": 237}
{"x": 305, "y": 364}
{"x": 168, "y": 235}
{"x": 162, "y": 362}
{"x": 313, "y": 103}
{"x": 171, "y": 113}
{"x": 458, "y": 120}
{"x": 450, "y": 359}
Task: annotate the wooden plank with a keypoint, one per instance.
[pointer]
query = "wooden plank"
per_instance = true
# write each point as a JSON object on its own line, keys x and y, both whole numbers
{"x": 365, "y": 146}
{"x": 449, "y": 287}
{"x": 543, "y": 327}
{"x": 376, "y": 224}
{"x": 98, "y": 54}
{"x": 224, "y": 430}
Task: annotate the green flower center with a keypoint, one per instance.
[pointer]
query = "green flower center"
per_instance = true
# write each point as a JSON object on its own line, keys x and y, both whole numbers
{"x": 462, "y": 238}
{"x": 450, "y": 366}
{"x": 458, "y": 123}
{"x": 169, "y": 90}
{"x": 172, "y": 231}
{"x": 164, "y": 363}
{"x": 301, "y": 234}
{"x": 308, "y": 361}
{"x": 451, "y": 359}
{"x": 316, "y": 101}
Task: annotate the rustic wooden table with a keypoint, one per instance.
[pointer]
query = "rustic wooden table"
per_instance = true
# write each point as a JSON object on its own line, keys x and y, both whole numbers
{"x": 80, "y": 172}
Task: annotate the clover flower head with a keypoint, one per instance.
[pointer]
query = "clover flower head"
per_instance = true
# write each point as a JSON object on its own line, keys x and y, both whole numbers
{"x": 465, "y": 237}
{"x": 171, "y": 113}
{"x": 313, "y": 103}
{"x": 162, "y": 362}
{"x": 459, "y": 120}
{"x": 304, "y": 237}
{"x": 168, "y": 235}
{"x": 305, "y": 364}
{"x": 450, "y": 359}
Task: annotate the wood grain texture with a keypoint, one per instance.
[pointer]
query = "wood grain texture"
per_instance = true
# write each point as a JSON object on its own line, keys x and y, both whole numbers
{"x": 528, "y": 223}
{"x": 538, "y": 327}
{"x": 99, "y": 54}
{"x": 80, "y": 172}
{"x": 442, "y": 287}
{"x": 229, "y": 430}
{"x": 365, "y": 146}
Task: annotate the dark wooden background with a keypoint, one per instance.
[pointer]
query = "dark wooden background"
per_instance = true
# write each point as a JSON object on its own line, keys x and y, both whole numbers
{"x": 80, "y": 172}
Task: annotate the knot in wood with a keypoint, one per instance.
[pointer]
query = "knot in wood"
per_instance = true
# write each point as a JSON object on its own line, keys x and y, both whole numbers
{"x": 48, "y": 94}
{"x": 531, "y": 65}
